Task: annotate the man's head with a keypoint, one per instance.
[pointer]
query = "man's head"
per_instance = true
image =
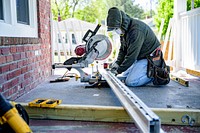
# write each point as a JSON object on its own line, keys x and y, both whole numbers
{"x": 115, "y": 20}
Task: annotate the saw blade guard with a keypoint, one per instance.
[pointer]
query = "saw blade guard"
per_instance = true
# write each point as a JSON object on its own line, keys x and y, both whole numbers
{"x": 102, "y": 44}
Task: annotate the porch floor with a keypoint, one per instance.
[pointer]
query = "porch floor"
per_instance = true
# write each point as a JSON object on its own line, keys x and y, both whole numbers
{"x": 172, "y": 95}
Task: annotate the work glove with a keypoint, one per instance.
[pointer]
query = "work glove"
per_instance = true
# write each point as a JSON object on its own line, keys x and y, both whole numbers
{"x": 113, "y": 68}
{"x": 114, "y": 71}
{"x": 113, "y": 65}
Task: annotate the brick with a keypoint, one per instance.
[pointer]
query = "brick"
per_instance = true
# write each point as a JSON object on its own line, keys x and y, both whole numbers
{"x": 30, "y": 48}
{"x": 13, "y": 49}
{"x": 27, "y": 54}
{"x": 27, "y": 75}
{"x": 16, "y": 88}
{"x": 14, "y": 40}
{"x": 2, "y": 59}
{"x": 26, "y": 48}
{"x": 5, "y": 50}
{"x": 4, "y": 68}
{"x": 20, "y": 64}
{"x": 20, "y": 49}
{"x": 10, "y": 75}
{"x": 21, "y": 78}
{"x": 25, "y": 62}
{"x": 16, "y": 57}
{"x": 23, "y": 55}
{"x": 24, "y": 70}
{"x": 9, "y": 58}
{"x": 14, "y": 74}
{"x": 29, "y": 67}
{"x": 7, "y": 86}
{"x": 15, "y": 82}
{"x": 25, "y": 83}
{"x": 3, "y": 78}
{"x": 18, "y": 72}
{"x": 30, "y": 60}
{"x": 12, "y": 66}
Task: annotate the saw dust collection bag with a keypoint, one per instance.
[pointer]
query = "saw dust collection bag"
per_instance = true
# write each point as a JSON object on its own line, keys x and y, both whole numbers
{"x": 158, "y": 69}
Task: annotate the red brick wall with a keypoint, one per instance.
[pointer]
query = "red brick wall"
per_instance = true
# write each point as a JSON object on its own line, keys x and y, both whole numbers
{"x": 26, "y": 62}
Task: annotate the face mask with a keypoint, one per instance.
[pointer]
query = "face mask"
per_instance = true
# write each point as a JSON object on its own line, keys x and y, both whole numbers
{"x": 119, "y": 31}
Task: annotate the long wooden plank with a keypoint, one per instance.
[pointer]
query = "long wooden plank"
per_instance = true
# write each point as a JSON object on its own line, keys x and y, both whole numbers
{"x": 168, "y": 116}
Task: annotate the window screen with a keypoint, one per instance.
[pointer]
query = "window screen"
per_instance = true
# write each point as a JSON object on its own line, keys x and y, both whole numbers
{"x": 1, "y": 9}
{"x": 22, "y": 11}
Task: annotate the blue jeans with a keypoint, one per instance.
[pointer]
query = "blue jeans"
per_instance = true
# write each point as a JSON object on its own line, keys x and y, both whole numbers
{"x": 136, "y": 74}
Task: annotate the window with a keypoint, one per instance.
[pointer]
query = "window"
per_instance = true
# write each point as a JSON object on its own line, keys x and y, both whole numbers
{"x": 1, "y": 9}
{"x": 22, "y": 11}
{"x": 18, "y": 18}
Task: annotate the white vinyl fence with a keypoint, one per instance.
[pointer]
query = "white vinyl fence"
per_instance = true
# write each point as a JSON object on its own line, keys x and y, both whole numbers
{"x": 190, "y": 39}
{"x": 68, "y": 34}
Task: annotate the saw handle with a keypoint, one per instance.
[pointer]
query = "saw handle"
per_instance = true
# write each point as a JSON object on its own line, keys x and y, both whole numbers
{"x": 90, "y": 33}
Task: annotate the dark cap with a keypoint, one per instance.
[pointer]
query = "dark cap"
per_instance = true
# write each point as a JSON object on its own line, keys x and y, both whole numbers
{"x": 114, "y": 18}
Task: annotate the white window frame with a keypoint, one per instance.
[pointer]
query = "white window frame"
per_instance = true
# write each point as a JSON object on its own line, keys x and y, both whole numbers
{"x": 9, "y": 26}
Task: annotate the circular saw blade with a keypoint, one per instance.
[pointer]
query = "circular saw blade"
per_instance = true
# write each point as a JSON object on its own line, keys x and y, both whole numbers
{"x": 103, "y": 46}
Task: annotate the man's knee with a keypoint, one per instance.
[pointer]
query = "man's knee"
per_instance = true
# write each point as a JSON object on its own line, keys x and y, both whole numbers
{"x": 137, "y": 82}
{"x": 131, "y": 82}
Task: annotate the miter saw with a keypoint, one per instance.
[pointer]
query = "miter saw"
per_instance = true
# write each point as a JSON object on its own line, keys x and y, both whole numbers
{"x": 97, "y": 47}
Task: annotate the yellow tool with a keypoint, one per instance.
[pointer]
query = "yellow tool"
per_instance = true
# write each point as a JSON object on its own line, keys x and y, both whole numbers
{"x": 180, "y": 80}
{"x": 10, "y": 115}
{"x": 48, "y": 103}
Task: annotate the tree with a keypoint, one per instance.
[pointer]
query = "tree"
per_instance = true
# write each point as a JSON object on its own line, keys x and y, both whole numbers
{"x": 74, "y": 3}
{"x": 196, "y": 4}
{"x": 62, "y": 8}
{"x": 66, "y": 8}
{"x": 91, "y": 10}
{"x": 128, "y": 7}
{"x": 165, "y": 11}
{"x": 96, "y": 10}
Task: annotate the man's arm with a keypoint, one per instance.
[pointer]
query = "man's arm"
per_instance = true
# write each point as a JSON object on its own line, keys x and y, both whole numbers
{"x": 121, "y": 55}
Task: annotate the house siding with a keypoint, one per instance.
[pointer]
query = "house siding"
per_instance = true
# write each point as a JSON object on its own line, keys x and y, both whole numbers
{"x": 26, "y": 62}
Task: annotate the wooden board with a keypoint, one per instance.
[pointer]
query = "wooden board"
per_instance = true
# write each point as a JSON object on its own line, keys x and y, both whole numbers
{"x": 109, "y": 114}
